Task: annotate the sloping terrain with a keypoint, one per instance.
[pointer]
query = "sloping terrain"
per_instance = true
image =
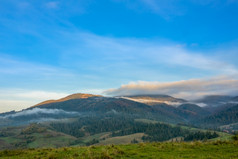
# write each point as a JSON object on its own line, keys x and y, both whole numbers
{"x": 222, "y": 117}
{"x": 72, "y": 96}
{"x": 214, "y": 100}
{"x": 197, "y": 150}
{"x": 78, "y": 105}
{"x": 33, "y": 136}
{"x": 156, "y": 99}
{"x": 99, "y": 104}
{"x": 235, "y": 99}
{"x": 88, "y": 120}
{"x": 192, "y": 111}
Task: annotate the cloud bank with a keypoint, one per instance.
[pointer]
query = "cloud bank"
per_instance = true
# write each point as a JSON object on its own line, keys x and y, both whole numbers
{"x": 37, "y": 111}
{"x": 188, "y": 89}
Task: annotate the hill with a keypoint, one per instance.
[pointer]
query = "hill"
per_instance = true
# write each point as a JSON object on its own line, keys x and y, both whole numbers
{"x": 98, "y": 130}
{"x": 90, "y": 120}
{"x": 235, "y": 99}
{"x": 33, "y": 136}
{"x": 192, "y": 111}
{"x": 223, "y": 117}
{"x": 77, "y": 105}
{"x": 214, "y": 100}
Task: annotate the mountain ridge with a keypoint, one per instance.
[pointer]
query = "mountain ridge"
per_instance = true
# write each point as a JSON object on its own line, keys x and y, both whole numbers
{"x": 69, "y": 97}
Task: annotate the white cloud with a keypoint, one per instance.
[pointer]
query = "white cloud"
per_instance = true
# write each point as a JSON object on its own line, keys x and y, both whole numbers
{"x": 188, "y": 89}
{"x": 36, "y": 111}
{"x": 52, "y": 5}
{"x": 156, "y": 52}
{"x": 166, "y": 8}
{"x": 120, "y": 60}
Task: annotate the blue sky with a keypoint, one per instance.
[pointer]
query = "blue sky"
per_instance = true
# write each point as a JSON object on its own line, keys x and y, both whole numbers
{"x": 49, "y": 49}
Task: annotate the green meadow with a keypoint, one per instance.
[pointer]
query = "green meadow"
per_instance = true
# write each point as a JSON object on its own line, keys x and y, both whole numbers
{"x": 200, "y": 150}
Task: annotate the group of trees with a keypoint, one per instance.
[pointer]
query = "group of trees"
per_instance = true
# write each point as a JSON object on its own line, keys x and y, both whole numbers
{"x": 223, "y": 117}
{"x": 121, "y": 126}
{"x": 200, "y": 136}
{"x": 154, "y": 132}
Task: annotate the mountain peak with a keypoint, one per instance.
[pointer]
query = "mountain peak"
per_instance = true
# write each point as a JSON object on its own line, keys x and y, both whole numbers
{"x": 69, "y": 97}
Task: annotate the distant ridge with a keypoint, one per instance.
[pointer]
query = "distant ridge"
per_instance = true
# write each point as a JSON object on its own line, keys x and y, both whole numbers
{"x": 155, "y": 99}
{"x": 72, "y": 96}
{"x": 161, "y": 97}
{"x": 235, "y": 98}
{"x": 214, "y": 100}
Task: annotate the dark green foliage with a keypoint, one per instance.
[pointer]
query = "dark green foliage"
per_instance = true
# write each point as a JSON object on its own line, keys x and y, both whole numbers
{"x": 33, "y": 128}
{"x": 93, "y": 125}
{"x": 134, "y": 141}
{"x": 223, "y": 117}
{"x": 200, "y": 136}
{"x": 121, "y": 126}
{"x": 154, "y": 132}
{"x": 93, "y": 141}
{"x": 101, "y": 105}
{"x": 235, "y": 137}
{"x": 192, "y": 111}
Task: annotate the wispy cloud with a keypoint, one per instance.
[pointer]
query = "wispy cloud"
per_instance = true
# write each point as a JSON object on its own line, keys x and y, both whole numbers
{"x": 37, "y": 111}
{"x": 188, "y": 89}
{"x": 165, "y": 9}
{"x": 96, "y": 62}
{"x": 155, "y": 52}
{"x": 52, "y": 5}
{"x": 168, "y": 9}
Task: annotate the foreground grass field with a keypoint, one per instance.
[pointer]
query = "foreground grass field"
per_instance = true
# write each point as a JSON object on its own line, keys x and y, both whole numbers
{"x": 216, "y": 149}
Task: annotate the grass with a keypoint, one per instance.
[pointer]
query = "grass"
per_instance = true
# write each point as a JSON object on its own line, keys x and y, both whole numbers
{"x": 52, "y": 141}
{"x": 47, "y": 138}
{"x": 96, "y": 136}
{"x": 196, "y": 150}
{"x": 122, "y": 139}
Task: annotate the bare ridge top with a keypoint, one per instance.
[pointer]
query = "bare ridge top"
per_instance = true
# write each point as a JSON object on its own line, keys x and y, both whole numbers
{"x": 72, "y": 96}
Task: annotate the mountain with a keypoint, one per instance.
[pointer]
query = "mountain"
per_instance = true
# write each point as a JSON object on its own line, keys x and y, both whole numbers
{"x": 222, "y": 117}
{"x": 78, "y": 105}
{"x": 88, "y": 106}
{"x": 214, "y": 100}
{"x": 235, "y": 99}
{"x": 102, "y": 105}
{"x": 183, "y": 113}
{"x": 152, "y": 107}
{"x": 72, "y": 96}
{"x": 193, "y": 111}
{"x": 155, "y": 99}
{"x": 99, "y": 105}
{"x": 82, "y": 119}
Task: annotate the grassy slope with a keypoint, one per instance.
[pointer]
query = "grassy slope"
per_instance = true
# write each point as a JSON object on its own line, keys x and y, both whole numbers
{"x": 48, "y": 138}
{"x": 222, "y": 136}
{"x": 210, "y": 150}
{"x": 122, "y": 139}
